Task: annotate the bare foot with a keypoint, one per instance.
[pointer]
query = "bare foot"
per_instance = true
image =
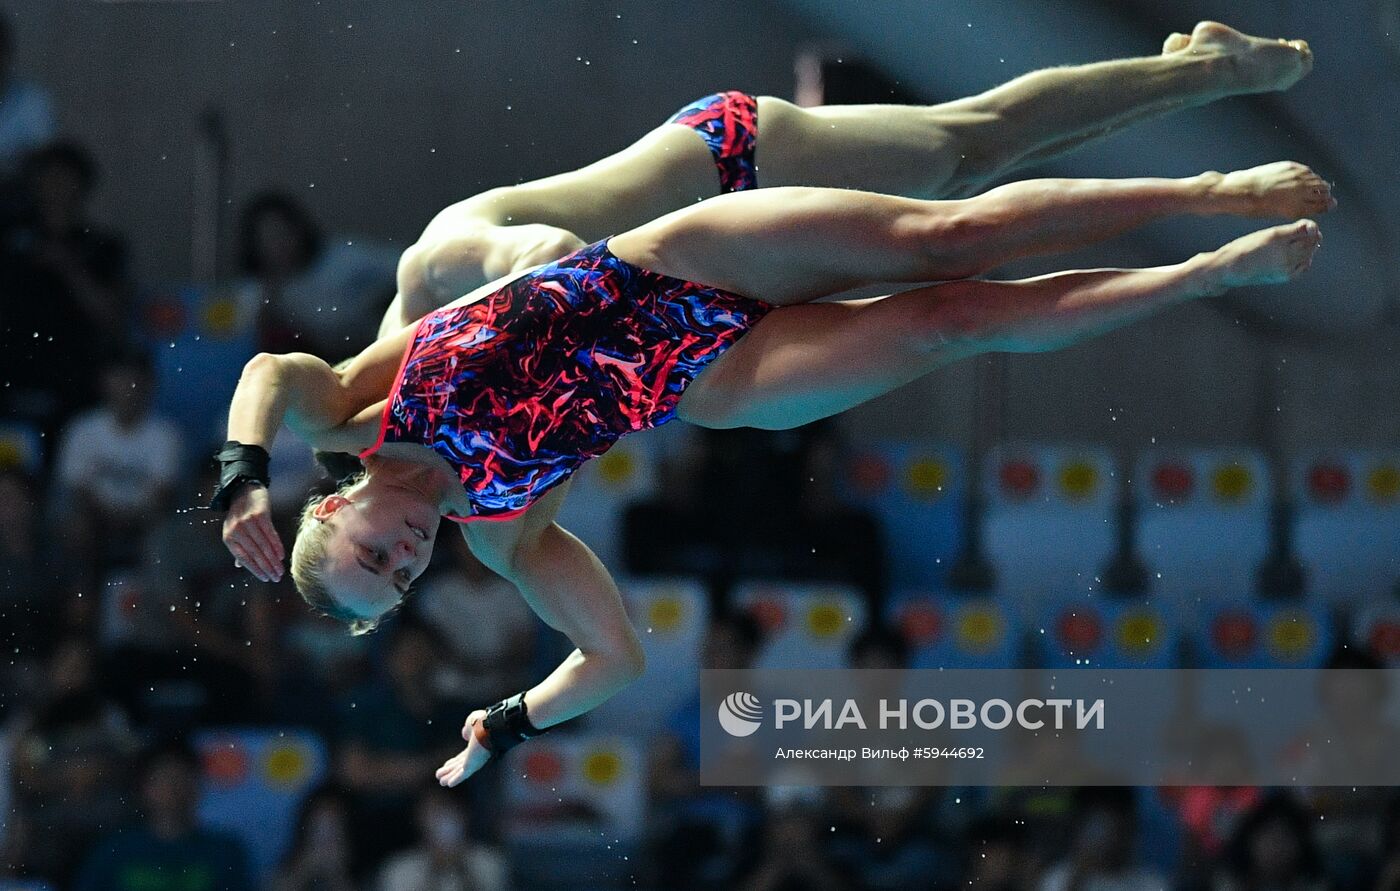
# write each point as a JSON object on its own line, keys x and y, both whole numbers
{"x": 1282, "y": 189}
{"x": 1269, "y": 256}
{"x": 1261, "y": 64}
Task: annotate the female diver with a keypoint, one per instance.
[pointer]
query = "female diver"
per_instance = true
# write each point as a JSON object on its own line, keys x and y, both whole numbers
{"x": 482, "y": 410}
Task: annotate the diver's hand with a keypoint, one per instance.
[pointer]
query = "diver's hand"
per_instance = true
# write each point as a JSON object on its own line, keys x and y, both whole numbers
{"x": 250, "y": 536}
{"x": 469, "y": 760}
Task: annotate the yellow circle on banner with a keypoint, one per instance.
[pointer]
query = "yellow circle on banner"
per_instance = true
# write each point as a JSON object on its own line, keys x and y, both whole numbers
{"x": 665, "y": 613}
{"x": 1292, "y": 635}
{"x": 825, "y": 619}
{"x": 1232, "y": 482}
{"x": 616, "y": 467}
{"x": 927, "y": 477}
{"x": 220, "y": 316}
{"x": 286, "y": 765}
{"x": 602, "y": 767}
{"x": 979, "y": 628}
{"x": 1138, "y": 633}
{"x": 1384, "y": 483}
{"x": 11, "y": 455}
{"x": 1079, "y": 479}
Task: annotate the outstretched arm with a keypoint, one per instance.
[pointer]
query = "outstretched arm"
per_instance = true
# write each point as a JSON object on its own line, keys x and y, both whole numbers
{"x": 571, "y": 591}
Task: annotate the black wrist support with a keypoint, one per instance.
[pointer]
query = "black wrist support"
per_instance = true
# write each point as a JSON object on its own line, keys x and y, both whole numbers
{"x": 507, "y": 725}
{"x": 239, "y": 465}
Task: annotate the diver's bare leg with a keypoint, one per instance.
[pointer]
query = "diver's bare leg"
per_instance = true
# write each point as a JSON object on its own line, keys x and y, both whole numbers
{"x": 957, "y": 147}
{"x": 803, "y": 363}
{"x": 794, "y": 245}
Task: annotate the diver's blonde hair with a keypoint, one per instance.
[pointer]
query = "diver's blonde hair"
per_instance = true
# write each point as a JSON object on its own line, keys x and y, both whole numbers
{"x": 308, "y": 561}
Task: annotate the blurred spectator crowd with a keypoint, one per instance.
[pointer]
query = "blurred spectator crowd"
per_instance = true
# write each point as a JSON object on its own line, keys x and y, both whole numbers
{"x": 143, "y": 672}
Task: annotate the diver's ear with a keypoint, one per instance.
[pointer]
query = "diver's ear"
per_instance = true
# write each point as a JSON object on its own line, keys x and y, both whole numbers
{"x": 328, "y": 506}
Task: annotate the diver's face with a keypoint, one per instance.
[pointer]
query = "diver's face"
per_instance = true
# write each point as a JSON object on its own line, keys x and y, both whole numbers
{"x": 380, "y": 541}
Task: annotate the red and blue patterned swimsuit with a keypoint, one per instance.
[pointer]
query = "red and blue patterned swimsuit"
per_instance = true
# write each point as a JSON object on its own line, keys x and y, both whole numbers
{"x": 517, "y": 390}
{"x": 728, "y": 122}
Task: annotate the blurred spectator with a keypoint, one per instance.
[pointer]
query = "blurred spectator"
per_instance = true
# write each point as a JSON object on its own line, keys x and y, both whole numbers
{"x": 699, "y": 834}
{"x": 1351, "y": 827}
{"x": 1388, "y": 878}
{"x": 26, "y": 110}
{"x": 169, "y": 849}
{"x": 888, "y": 836}
{"x": 445, "y": 857}
{"x": 320, "y": 857}
{"x": 17, "y": 873}
{"x": 793, "y": 856}
{"x": 829, "y": 539}
{"x": 117, "y": 467}
{"x": 1207, "y": 814}
{"x": 878, "y": 647}
{"x": 69, "y": 759}
{"x": 732, "y": 641}
{"x": 65, "y": 285}
{"x": 25, "y": 578}
{"x": 319, "y": 665}
{"x": 304, "y": 292}
{"x": 1101, "y": 855}
{"x": 488, "y": 629}
{"x": 1274, "y": 849}
{"x": 994, "y": 857}
{"x": 184, "y": 655}
{"x": 20, "y": 569}
{"x": 671, "y": 533}
{"x": 394, "y": 732}
{"x": 1353, "y": 692}
{"x": 781, "y": 515}
{"x": 1353, "y": 735}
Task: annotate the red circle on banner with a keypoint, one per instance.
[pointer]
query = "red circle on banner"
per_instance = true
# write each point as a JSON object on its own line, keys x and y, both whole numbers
{"x": 1328, "y": 483}
{"x": 1234, "y": 634}
{"x": 1019, "y": 479}
{"x": 1385, "y": 639}
{"x": 165, "y": 317}
{"x": 543, "y": 766}
{"x": 225, "y": 764}
{"x": 921, "y": 624}
{"x": 1078, "y": 631}
{"x": 769, "y": 613}
{"x": 1172, "y": 480}
{"x": 870, "y": 474}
